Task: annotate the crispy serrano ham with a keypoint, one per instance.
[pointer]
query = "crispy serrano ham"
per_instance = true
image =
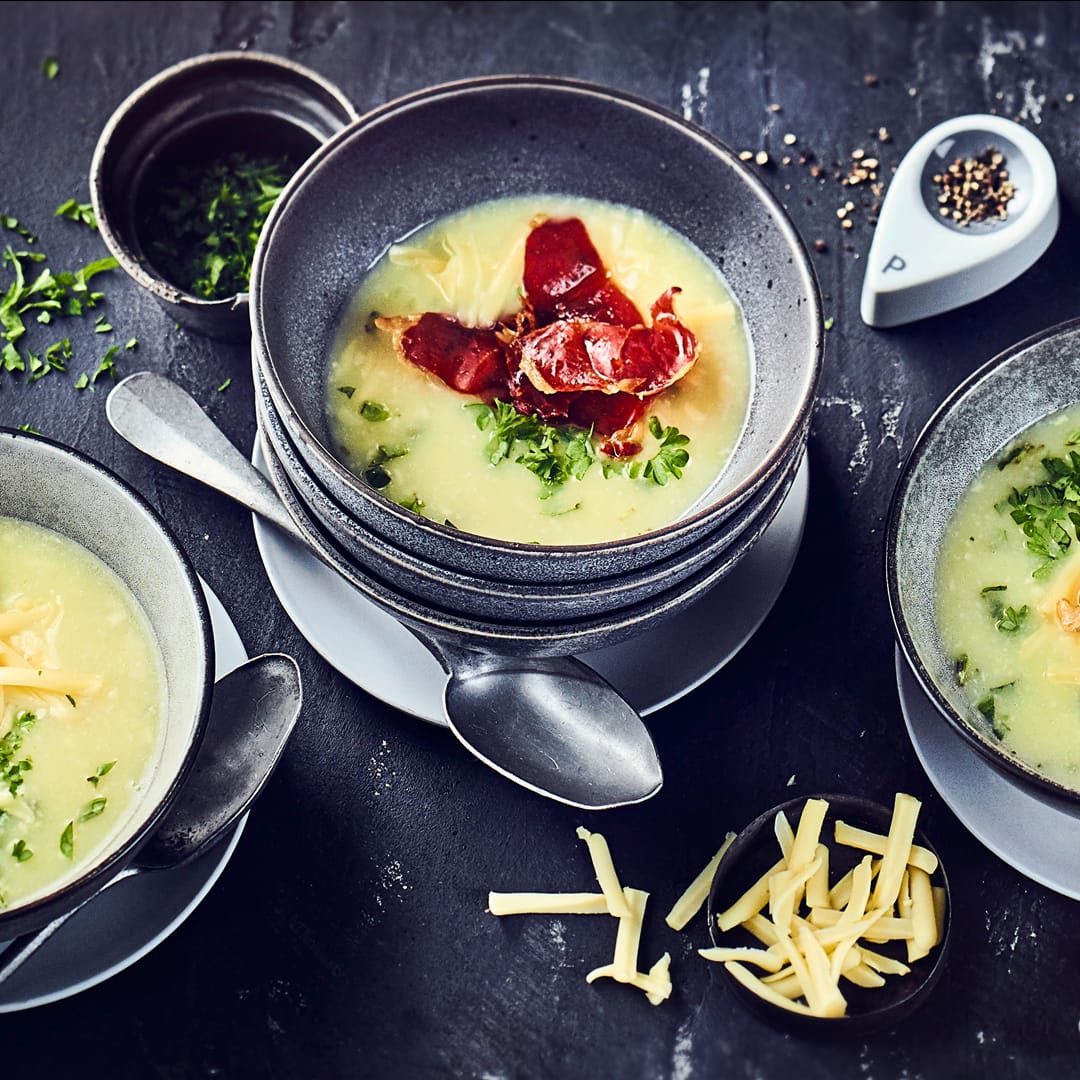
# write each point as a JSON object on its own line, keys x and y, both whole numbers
{"x": 470, "y": 360}
{"x": 565, "y": 277}
{"x": 581, "y": 354}
{"x": 578, "y": 350}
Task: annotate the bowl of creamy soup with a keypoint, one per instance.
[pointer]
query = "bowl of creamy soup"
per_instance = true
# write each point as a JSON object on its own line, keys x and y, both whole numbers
{"x": 983, "y": 562}
{"x": 533, "y": 329}
{"x": 475, "y": 595}
{"x": 106, "y": 671}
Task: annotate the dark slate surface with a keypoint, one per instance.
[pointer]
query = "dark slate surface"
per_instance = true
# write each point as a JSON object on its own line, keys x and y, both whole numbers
{"x": 348, "y": 935}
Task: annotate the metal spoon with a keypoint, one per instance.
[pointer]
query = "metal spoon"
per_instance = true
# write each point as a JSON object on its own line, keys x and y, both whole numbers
{"x": 550, "y": 724}
{"x": 254, "y": 710}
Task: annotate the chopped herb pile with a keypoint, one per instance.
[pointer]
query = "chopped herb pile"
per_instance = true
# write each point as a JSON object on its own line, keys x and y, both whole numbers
{"x": 554, "y": 454}
{"x": 1045, "y": 510}
{"x": 203, "y": 226}
{"x": 35, "y": 295}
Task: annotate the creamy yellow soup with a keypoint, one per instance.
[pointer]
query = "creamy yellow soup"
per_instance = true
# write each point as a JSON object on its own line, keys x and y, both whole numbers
{"x": 81, "y": 702}
{"x": 470, "y": 266}
{"x": 1008, "y": 607}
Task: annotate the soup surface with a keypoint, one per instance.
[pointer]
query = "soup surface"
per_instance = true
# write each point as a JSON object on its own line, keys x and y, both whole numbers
{"x": 454, "y": 459}
{"x": 81, "y": 700}
{"x": 1008, "y": 595}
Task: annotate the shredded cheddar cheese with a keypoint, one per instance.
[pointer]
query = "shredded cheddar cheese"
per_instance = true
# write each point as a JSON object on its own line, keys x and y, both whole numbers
{"x": 814, "y": 936}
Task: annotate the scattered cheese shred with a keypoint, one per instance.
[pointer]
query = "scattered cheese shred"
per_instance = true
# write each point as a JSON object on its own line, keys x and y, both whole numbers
{"x": 626, "y": 904}
{"x": 605, "y": 871}
{"x": 547, "y": 903}
{"x": 689, "y": 904}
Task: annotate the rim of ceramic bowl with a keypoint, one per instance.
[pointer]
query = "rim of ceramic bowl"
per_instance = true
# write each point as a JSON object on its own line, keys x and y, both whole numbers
{"x": 795, "y": 425}
{"x": 42, "y": 907}
{"x": 334, "y": 520}
{"x": 163, "y": 289}
{"x": 550, "y": 637}
{"x": 1012, "y": 767}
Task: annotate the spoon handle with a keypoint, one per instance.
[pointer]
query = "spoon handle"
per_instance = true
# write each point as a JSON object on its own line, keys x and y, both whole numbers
{"x": 20, "y": 949}
{"x": 165, "y": 422}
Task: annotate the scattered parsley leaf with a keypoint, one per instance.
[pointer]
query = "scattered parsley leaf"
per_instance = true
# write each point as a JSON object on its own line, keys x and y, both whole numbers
{"x": 30, "y": 429}
{"x": 830, "y": 322}
{"x": 348, "y": 391}
{"x": 50, "y": 67}
{"x": 77, "y": 211}
{"x": 67, "y": 840}
{"x": 20, "y": 851}
{"x": 225, "y": 386}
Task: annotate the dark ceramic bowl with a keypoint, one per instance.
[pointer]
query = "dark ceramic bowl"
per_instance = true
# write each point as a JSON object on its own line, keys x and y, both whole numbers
{"x": 55, "y": 487}
{"x": 480, "y": 596}
{"x": 564, "y": 637}
{"x": 1019, "y": 387}
{"x": 870, "y": 1009}
{"x": 191, "y": 113}
{"x": 449, "y": 147}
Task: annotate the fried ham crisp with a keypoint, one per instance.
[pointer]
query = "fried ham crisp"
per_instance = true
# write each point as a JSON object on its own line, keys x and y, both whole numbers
{"x": 578, "y": 350}
{"x": 468, "y": 359}
{"x": 582, "y": 354}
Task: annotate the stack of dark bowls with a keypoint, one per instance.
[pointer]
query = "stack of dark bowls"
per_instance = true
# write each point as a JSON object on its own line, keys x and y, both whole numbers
{"x": 450, "y": 147}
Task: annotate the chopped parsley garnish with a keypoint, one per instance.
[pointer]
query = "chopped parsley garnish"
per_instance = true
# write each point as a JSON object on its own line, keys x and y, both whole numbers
{"x": 1045, "y": 510}
{"x": 961, "y": 668}
{"x": 102, "y": 770}
{"x": 348, "y": 391}
{"x": 377, "y": 477}
{"x": 554, "y": 454}
{"x": 999, "y": 723}
{"x": 224, "y": 386}
{"x": 67, "y": 840}
{"x": 50, "y": 67}
{"x": 93, "y": 808}
{"x": 993, "y": 588}
{"x": 1011, "y": 621}
{"x": 12, "y": 765}
{"x": 374, "y": 411}
{"x": 20, "y": 852}
{"x": 559, "y": 453}
{"x": 1017, "y": 454}
{"x": 672, "y": 457}
{"x": 203, "y": 225}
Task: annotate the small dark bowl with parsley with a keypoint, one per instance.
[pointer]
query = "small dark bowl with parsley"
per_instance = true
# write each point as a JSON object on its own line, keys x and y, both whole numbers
{"x": 979, "y": 423}
{"x": 188, "y": 168}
